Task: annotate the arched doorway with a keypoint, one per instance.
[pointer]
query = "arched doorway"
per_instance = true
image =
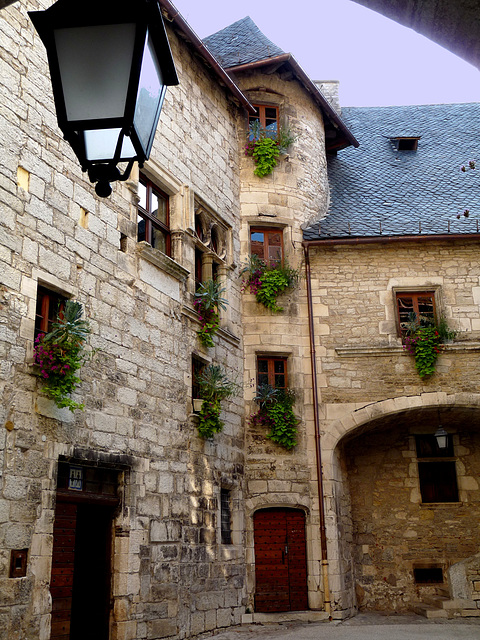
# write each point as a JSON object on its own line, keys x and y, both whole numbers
{"x": 413, "y": 509}
{"x": 280, "y": 560}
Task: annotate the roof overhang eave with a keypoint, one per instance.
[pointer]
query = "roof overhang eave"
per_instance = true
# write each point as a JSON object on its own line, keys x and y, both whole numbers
{"x": 343, "y": 240}
{"x": 310, "y": 86}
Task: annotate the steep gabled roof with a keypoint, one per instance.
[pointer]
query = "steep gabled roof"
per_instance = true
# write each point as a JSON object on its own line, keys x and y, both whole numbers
{"x": 241, "y": 43}
{"x": 379, "y": 191}
{"x": 242, "y": 46}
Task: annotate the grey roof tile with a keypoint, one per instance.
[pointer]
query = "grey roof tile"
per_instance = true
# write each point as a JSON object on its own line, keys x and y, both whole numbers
{"x": 240, "y": 43}
{"x": 378, "y": 190}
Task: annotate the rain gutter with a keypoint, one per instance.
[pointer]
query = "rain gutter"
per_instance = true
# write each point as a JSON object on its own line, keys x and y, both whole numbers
{"x": 322, "y": 242}
{"x": 318, "y": 448}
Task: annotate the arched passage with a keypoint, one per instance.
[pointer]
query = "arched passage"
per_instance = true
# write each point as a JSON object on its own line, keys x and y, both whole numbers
{"x": 404, "y": 511}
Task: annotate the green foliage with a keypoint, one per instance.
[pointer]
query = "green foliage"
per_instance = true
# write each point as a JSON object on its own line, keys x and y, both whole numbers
{"x": 60, "y": 354}
{"x": 265, "y": 155}
{"x": 266, "y": 146}
{"x": 267, "y": 283}
{"x": 276, "y": 415}
{"x": 444, "y": 331}
{"x": 208, "y": 299}
{"x": 424, "y": 347}
{"x": 209, "y": 421}
{"x": 215, "y": 386}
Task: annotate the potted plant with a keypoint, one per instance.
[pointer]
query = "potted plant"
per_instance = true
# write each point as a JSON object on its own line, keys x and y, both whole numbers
{"x": 447, "y": 335}
{"x": 208, "y": 300}
{"x": 266, "y": 146}
{"x": 60, "y": 354}
{"x": 215, "y": 386}
{"x": 267, "y": 282}
{"x": 275, "y": 413}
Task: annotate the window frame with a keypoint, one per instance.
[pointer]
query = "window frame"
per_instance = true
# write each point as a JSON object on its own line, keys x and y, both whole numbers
{"x": 415, "y": 294}
{"x": 226, "y": 516}
{"x": 267, "y": 232}
{"x": 49, "y": 304}
{"x": 436, "y": 468}
{"x": 262, "y": 118}
{"x": 271, "y": 373}
{"x": 152, "y": 222}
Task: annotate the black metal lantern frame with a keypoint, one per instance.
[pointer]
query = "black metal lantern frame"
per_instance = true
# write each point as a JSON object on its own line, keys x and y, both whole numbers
{"x": 110, "y": 64}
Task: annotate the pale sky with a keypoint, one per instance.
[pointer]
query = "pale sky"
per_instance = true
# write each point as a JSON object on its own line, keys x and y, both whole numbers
{"x": 377, "y": 61}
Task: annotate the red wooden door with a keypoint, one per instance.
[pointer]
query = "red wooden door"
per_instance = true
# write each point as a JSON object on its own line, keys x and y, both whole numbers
{"x": 63, "y": 556}
{"x": 280, "y": 560}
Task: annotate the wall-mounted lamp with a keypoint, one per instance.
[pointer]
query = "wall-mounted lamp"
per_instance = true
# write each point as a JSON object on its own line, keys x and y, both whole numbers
{"x": 110, "y": 64}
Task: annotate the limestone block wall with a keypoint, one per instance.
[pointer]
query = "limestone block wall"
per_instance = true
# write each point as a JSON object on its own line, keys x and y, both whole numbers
{"x": 393, "y": 533}
{"x": 171, "y": 576}
{"x": 367, "y": 381}
{"x": 295, "y": 192}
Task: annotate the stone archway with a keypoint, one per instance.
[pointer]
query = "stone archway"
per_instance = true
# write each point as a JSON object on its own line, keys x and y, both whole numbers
{"x": 391, "y": 545}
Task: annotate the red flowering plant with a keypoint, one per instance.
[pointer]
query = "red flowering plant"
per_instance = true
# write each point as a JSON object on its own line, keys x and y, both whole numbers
{"x": 267, "y": 282}
{"x": 60, "y": 354}
{"x": 208, "y": 300}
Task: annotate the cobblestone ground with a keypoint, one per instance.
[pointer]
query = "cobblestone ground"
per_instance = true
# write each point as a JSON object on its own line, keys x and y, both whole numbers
{"x": 368, "y": 626}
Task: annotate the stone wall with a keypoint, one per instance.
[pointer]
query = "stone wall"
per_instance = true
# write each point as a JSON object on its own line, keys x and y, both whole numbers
{"x": 171, "y": 574}
{"x": 369, "y": 385}
{"x": 294, "y": 193}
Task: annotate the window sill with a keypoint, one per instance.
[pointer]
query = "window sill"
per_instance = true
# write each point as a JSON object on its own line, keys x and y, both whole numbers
{"x": 353, "y": 352}
{"x": 428, "y": 505}
{"x": 162, "y": 261}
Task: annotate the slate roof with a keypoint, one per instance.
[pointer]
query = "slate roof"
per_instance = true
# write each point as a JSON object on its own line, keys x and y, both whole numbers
{"x": 377, "y": 190}
{"x": 240, "y": 43}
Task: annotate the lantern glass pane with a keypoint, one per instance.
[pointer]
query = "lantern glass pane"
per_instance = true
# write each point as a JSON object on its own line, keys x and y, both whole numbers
{"x": 100, "y": 144}
{"x": 95, "y": 64}
{"x": 149, "y": 97}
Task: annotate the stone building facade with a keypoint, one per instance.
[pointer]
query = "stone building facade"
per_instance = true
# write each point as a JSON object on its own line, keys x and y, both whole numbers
{"x": 151, "y": 486}
{"x": 124, "y": 502}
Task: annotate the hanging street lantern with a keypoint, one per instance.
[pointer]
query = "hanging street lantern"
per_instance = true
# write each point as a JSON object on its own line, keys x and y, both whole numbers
{"x": 442, "y": 437}
{"x": 110, "y": 64}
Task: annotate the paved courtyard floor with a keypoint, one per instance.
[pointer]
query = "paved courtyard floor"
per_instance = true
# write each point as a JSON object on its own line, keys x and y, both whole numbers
{"x": 368, "y": 626}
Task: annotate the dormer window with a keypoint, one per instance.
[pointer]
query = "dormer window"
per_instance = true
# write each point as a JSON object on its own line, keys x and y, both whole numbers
{"x": 267, "y": 116}
{"x": 405, "y": 144}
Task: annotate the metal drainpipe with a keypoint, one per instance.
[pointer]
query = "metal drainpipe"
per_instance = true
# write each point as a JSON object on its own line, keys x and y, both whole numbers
{"x": 318, "y": 450}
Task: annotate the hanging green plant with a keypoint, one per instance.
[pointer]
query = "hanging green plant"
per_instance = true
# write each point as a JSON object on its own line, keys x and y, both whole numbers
{"x": 60, "y": 354}
{"x": 423, "y": 340}
{"x": 268, "y": 282}
{"x": 208, "y": 300}
{"x": 265, "y": 154}
{"x": 265, "y": 146}
{"x": 423, "y": 345}
{"x": 215, "y": 386}
{"x": 276, "y": 414}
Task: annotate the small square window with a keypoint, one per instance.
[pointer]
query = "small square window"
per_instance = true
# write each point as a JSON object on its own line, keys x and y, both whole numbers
{"x": 153, "y": 217}
{"x": 267, "y": 115}
{"x": 49, "y": 305}
{"x": 272, "y": 371}
{"x": 415, "y": 307}
{"x": 437, "y": 475}
{"x": 267, "y": 244}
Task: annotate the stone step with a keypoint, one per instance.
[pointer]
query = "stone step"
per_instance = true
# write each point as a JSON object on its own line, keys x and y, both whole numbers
{"x": 428, "y": 611}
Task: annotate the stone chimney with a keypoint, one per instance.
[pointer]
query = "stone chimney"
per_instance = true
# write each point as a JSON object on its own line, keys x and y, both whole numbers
{"x": 329, "y": 88}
